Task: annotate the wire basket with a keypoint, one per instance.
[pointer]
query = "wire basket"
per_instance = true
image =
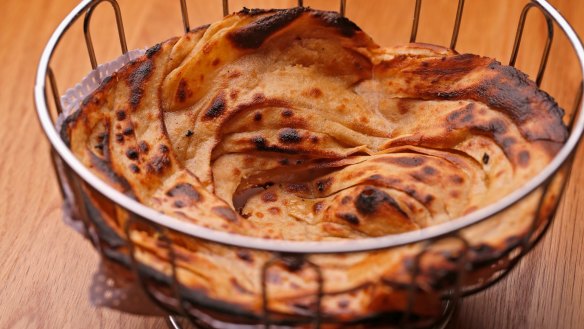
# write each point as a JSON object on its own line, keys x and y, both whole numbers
{"x": 86, "y": 196}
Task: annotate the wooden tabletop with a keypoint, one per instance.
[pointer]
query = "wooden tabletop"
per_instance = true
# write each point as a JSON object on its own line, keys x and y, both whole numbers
{"x": 46, "y": 267}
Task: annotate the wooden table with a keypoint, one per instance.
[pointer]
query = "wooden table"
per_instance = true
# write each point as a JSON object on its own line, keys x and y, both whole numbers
{"x": 46, "y": 268}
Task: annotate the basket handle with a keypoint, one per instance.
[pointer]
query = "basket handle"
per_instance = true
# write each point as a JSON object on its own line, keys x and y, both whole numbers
{"x": 87, "y": 33}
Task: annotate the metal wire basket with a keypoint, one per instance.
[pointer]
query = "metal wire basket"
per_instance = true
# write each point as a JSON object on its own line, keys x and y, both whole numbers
{"x": 78, "y": 184}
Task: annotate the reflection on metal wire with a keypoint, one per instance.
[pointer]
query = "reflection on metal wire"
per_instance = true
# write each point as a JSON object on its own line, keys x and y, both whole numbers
{"x": 172, "y": 322}
{"x": 185, "y": 15}
{"x": 519, "y": 35}
{"x": 86, "y": 27}
{"x": 225, "y": 8}
{"x": 457, "y": 20}
{"x": 577, "y": 104}
{"x": 55, "y": 91}
{"x": 343, "y": 7}
{"x": 416, "y": 22}
{"x": 264, "y": 283}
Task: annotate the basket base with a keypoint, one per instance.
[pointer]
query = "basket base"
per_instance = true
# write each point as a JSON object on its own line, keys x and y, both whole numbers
{"x": 178, "y": 322}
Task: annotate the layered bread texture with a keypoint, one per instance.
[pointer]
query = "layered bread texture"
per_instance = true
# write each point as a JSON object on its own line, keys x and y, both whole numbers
{"x": 294, "y": 124}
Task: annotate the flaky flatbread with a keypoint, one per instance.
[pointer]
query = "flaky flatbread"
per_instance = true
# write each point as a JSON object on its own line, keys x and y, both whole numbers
{"x": 293, "y": 124}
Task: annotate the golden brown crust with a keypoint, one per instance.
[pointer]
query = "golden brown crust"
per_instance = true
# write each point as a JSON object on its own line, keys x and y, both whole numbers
{"x": 293, "y": 124}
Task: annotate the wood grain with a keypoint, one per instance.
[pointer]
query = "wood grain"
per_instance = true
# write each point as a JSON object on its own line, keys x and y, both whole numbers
{"x": 46, "y": 268}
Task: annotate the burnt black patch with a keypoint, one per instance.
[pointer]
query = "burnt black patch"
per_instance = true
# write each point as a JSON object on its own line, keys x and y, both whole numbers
{"x": 199, "y": 29}
{"x": 153, "y": 50}
{"x": 428, "y": 199}
{"x": 317, "y": 207}
{"x": 216, "y": 108}
{"x": 467, "y": 118}
{"x": 158, "y": 164}
{"x": 255, "y": 11}
{"x": 103, "y": 143}
{"x": 287, "y": 113}
{"x": 462, "y": 116}
{"x": 244, "y": 255}
{"x": 289, "y": 136}
{"x": 132, "y": 153}
{"x": 143, "y": 146}
{"x": 128, "y": 131}
{"x": 297, "y": 188}
{"x": 456, "y": 179}
{"x": 334, "y": 19}
{"x": 493, "y": 127}
{"x": 349, "y": 218}
{"x": 324, "y": 184}
{"x": 106, "y": 80}
{"x": 257, "y": 116}
{"x": 184, "y": 191}
{"x": 183, "y": 91}
{"x": 507, "y": 142}
{"x": 121, "y": 115}
{"x": 226, "y": 213}
{"x": 101, "y": 136}
{"x": 254, "y": 34}
{"x": 261, "y": 144}
{"x": 486, "y": 158}
{"x": 105, "y": 168}
{"x": 343, "y": 303}
{"x": 502, "y": 88}
{"x": 134, "y": 168}
{"x": 119, "y": 137}
{"x": 370, "y": 199}
{"x": 375, "y": 177}
{"x": 87, "y": 100}
{"x": 189, "y": 133}
{"x": 136, "y": 81}
{"x": 454, "y": 68}
{"x": 523, "y": 158}
{"x": 292, "y": 263}
{"x": 428, "y": 170}
{"x": 269, "y": 197}
{"x": 408, "y": 161}
{"x": 314, "y": 92}
{"x": 233, "y": 94}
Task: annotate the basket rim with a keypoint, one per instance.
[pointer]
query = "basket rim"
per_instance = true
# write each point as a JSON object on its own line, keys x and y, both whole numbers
{"x": 286, "y": 246}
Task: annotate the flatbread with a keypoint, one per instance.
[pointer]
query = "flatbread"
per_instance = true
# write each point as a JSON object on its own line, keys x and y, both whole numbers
{"x": 293, "y": 124}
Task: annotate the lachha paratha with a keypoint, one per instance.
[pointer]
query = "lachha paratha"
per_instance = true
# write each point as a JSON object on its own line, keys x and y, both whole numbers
{"x": 293, "y": 124}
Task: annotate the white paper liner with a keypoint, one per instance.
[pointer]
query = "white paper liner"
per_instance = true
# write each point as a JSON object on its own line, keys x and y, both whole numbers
{"x": 73, "y": 97}
{"x": 108, "y": 288}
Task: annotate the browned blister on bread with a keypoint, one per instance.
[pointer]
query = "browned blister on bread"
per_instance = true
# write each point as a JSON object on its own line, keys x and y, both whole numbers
{"x": 293, "y": 124}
